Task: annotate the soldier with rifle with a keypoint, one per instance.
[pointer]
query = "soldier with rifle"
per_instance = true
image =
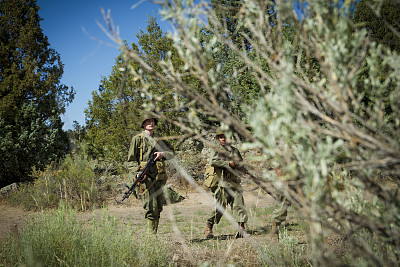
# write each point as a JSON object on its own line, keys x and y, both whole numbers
{"x": 280, "y": 213}
{"x": 229, "y": 191}
{"x": 149, "y": 153}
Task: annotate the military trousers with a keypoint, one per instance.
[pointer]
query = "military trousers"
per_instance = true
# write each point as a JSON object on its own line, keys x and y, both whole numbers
{"x": 280, "y": 213}
{"x": 153, "y": 198}
{"x": 225, "y": 196}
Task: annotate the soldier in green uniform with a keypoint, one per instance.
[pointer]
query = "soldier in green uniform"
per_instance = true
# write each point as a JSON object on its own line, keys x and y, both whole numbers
{"x": 229, "y": 190}
{"x": 279, "y": 214}
{"x": 142, "y": 146}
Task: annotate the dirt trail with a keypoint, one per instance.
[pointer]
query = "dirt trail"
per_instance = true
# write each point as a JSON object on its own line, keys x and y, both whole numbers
{"x": 13, "y": 219}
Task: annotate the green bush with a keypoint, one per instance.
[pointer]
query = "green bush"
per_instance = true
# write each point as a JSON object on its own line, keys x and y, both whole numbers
{"x": 59, "y": 239}
{"x": 38, "y": 195}
{"x": 73, "y": 182}
{"x": 287, "y": 252}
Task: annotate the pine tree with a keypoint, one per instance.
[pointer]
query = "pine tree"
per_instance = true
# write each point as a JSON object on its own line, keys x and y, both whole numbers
{"x": 242, "y": 87}
{"x": 31, "y": 96}
{"x": 111, "y": 115}
{"x": 381, "y": 19}
{"x": 114, "y": 113}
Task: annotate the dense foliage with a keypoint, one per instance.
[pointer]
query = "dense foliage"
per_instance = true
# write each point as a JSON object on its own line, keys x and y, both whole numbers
{"x": 381, "y": 19}
{"x": 31, "y": 96}
{"x": 241, "y": 86}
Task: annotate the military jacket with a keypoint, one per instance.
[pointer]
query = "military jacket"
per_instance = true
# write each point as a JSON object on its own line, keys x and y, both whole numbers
{"x": 142, "y": 146}
{"x": 217, "y": 160}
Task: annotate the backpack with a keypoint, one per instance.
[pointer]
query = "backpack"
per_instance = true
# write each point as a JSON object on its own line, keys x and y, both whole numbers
{"x": 212, "y": 176}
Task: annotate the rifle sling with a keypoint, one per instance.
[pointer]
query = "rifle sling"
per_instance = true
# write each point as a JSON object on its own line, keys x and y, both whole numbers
{"x": 143, "y": 192}
{"x": 141, "y": 147}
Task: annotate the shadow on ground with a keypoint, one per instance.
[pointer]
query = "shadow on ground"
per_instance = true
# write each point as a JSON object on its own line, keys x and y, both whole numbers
{"x": 252, "y": 232}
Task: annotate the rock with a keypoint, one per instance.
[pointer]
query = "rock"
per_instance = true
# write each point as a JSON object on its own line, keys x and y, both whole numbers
{"x": 5, "y": 191}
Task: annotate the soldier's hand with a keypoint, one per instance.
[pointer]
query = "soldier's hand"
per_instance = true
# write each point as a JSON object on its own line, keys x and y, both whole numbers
{"x": 160, "y": 155}
{"x": 232, "y": 164}
{"x": 278, "y": 172}
{"x": 138, "y": 174}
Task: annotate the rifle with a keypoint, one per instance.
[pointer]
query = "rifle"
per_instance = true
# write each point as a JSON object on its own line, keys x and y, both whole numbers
{"x": 257, "y": 181}
{"x": 139, "y": 177}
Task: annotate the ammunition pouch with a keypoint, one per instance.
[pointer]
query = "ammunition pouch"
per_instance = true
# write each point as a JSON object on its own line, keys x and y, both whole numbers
{"x": 152, "y": 171}
{"x": 212, "y": 176}
{"x": 157, "y": 171}
{"x": 161, "y": 171}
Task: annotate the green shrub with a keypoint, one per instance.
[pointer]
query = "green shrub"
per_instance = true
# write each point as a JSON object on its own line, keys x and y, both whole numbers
{"x": 73, "y": 182}
{"x": 59, "y": 239}
{"x": 287, "y": 252}
{"x": 77, "y": 179}
{"x": 43, "y": 193}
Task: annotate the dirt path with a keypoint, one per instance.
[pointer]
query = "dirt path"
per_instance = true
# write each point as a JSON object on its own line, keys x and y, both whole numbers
{"x": 182, "y": 225}
{"x": 13, "y": 219}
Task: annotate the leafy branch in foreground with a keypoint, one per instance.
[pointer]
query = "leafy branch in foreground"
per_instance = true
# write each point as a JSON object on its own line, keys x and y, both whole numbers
{"x": 311, "y": 119}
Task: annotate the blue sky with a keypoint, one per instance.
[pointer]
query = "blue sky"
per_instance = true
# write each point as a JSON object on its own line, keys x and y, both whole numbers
{"x": 70, "y": 26}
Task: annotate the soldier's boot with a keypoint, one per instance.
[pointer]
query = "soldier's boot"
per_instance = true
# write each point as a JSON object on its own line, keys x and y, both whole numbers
{"x": 155, "y": 226}
{"x": 208, "y": 230}
{"x": 152, "y": 226}
{"x": 274, "y": 233}
{"x": 241, "y": 230}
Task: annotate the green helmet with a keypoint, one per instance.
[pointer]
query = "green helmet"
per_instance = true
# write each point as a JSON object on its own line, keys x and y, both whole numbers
{"x": 147, "y": 116}
{"x": 219, "y": 131}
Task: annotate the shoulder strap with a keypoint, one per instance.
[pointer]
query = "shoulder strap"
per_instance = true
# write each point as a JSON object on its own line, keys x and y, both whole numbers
{"x": 141, "y": 147}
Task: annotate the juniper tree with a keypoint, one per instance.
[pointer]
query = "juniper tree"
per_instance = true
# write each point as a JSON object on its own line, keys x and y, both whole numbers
{"x": 31, "y": 95}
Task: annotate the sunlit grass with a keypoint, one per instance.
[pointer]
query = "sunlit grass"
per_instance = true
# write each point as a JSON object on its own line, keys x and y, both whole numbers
{"x": 59, "y": 239}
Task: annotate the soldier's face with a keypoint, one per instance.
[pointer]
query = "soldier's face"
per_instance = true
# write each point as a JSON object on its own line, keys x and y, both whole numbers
{"x": 222, "y": 139}
{"x": 148, "y": 124}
